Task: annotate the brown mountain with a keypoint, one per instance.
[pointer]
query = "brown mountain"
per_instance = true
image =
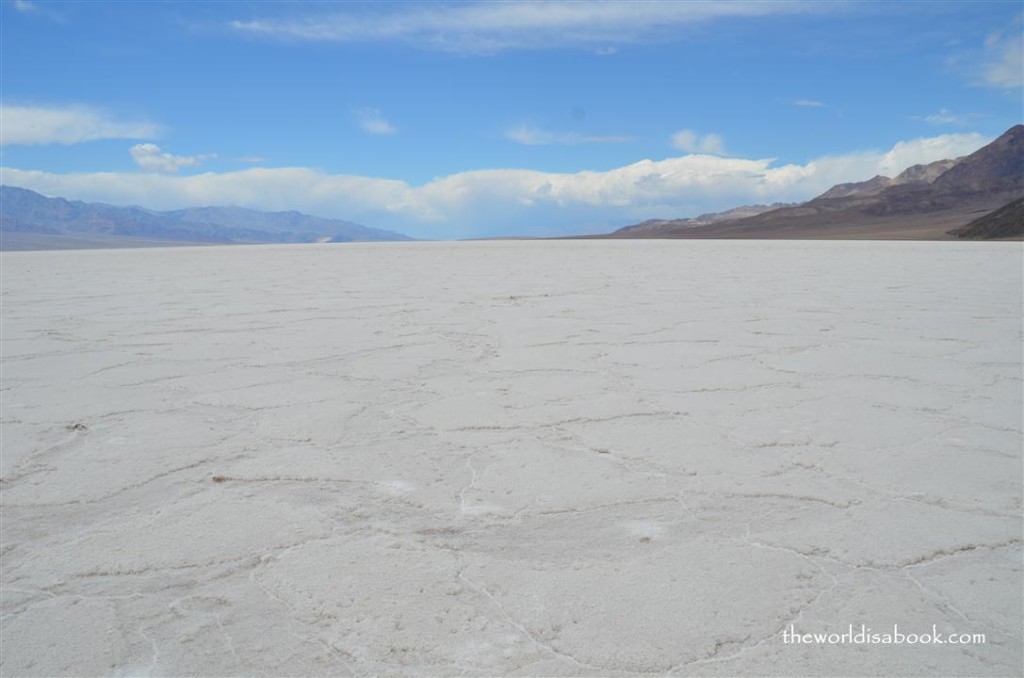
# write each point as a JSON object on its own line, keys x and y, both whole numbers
{"x": 916, "y": 174}
{"x": 654, "y": 225}
{"x": 1005, "y": 222}
{"x": 925, "y": 173}
{"x": 929, "y": 201}
{"x": 872, "y": 186}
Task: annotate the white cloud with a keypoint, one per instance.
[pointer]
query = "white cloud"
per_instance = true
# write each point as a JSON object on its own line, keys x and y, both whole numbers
{"x": 34, "y": 125}
{"x": 808, "y": 103}
{"x": 691, "y": 142}
{"x": 929, "y": 149}
{"x": 1004, "y": 63}
{"x": 531, "y": 136}
{"x": 490, "y": 27}
{"x": 150, "y": 158}
{"x": 372, "y": 122}
{"x": 503, "y": 201}
{"x": 25, "y": 6}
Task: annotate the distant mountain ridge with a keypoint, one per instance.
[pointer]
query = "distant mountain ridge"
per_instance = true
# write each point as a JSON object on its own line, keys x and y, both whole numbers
{"x": 924, "y": 201}
{"x": 917, "y": 174}
{"x": 709, "y": 218}
{"x": 26, "y": 212}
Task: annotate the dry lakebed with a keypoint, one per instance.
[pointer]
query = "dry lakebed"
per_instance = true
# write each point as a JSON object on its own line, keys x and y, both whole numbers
{"x": 572, "y": 458}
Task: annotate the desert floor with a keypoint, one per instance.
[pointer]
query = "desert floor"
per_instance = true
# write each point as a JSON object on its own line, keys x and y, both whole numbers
{"x": 600, "y": 458}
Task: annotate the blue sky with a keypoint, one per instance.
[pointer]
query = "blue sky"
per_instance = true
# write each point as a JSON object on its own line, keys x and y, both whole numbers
{"x": 450, "y": 120}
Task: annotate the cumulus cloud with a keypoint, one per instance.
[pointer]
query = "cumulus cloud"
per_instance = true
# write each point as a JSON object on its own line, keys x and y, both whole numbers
{"x": 502, "y": 201}
{"x": 371, "y": 121}
{"x": 524, "y": 24}
{"x": 808, "y": 103}
{"x": 691, "y": 142}
{"x": 929, "y": 149}
{"x": 35, "y": 125}
{"x": 531, "y": 136}
{"x": 150, "y": 158}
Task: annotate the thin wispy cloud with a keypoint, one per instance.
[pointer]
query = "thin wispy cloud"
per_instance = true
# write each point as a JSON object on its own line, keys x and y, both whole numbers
{"x": 491, "y": 27}
{"x": 151, "y": 158}
{"x": 997, "y": 63}
{"x": 532, "y": 136}
{"x": 371, "y": 121}
{"x": 37, "y": 11}
{"x": 808, "y": 103}
{"x": 944, "y": 116}
{"x": 692, "y": 142}
{"x": 1004, "y": 59}
{"x": 37, "y": 125}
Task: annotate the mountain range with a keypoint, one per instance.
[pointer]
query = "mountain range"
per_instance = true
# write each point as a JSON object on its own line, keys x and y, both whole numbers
{"x": 655, "y": 225}
{"x": 978, "y": 196}
{"x": 29, "y": 220}
{"x": 941, "y": 200}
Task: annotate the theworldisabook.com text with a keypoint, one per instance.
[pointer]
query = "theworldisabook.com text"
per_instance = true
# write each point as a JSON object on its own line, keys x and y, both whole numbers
{"x": 866, "y": 636}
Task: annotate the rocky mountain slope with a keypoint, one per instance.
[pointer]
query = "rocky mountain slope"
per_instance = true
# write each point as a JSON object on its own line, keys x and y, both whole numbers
{"x": 924, "y": 202}
{"x": 1005, "y": 222}
{"x": 654, "y": 225}
{"x": 917, "y": 174}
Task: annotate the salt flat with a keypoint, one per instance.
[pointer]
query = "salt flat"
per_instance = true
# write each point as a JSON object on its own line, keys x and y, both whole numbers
{"x": 511, "y": 458}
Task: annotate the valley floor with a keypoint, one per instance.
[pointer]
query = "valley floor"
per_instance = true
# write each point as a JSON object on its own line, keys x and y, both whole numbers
{"x": 578, "y": 458}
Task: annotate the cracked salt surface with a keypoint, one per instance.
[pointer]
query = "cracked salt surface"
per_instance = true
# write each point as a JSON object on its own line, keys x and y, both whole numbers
{"x": 518, "y": 458}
